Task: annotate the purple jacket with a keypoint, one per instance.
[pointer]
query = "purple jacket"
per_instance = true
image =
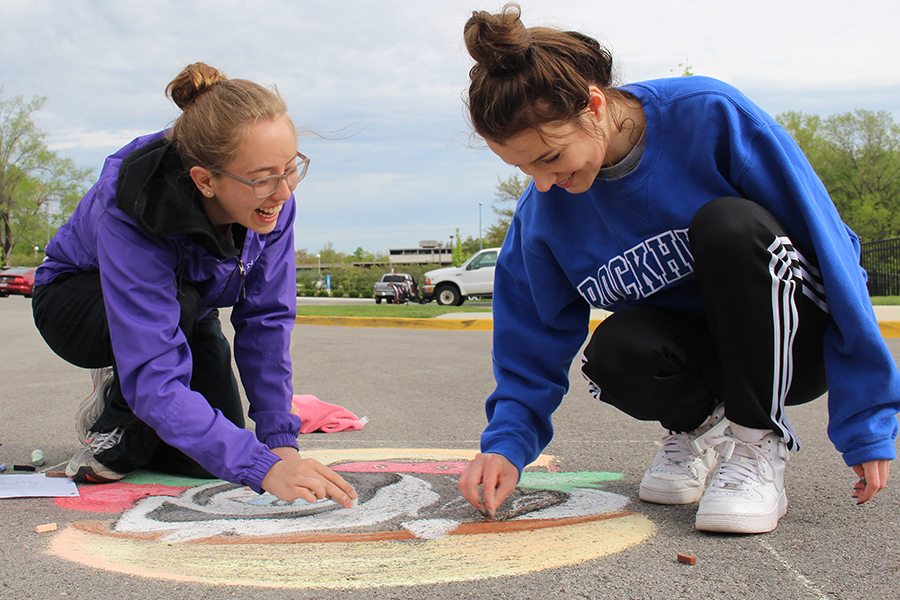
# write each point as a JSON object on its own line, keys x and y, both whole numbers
{"x": 142, "y": 237}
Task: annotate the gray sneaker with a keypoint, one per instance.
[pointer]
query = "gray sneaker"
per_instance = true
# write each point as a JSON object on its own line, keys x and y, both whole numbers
{"x": 92, "y": 406}
{"x": 679, "y": 470}
{"x": 84, "y": 466}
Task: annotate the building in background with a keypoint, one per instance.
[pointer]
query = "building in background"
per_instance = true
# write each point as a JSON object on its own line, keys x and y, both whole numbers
{"x": 428, "y": 252}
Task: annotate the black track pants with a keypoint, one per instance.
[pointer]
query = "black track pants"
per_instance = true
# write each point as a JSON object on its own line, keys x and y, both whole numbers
{"x": 757, "y": 346}
{"x": 71, "y": 316}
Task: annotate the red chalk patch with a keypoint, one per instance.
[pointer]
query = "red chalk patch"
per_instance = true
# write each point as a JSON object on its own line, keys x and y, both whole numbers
{"x": 115, "y": 497}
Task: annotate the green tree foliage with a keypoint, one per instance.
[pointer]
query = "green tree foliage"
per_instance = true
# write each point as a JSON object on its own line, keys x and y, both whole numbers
{"x": 328, "y": 255}
{"x": 360, "y": 255}
{"x": 458, "y": 256}
{"x": 857, "y": 157}
{"x": 303, "y": 257}
{"x": 688, "y": 70}
{"x": 346, "y": 278}
{"x": 470, "y": 246}
{"x": 32, "y": 179}
{"x": 355, "y": 281}
{"x": 463, "y": 249}
{"x": 508, "y": 192}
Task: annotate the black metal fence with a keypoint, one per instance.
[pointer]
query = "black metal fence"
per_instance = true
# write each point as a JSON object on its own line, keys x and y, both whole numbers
{"x": 881, "y": 260}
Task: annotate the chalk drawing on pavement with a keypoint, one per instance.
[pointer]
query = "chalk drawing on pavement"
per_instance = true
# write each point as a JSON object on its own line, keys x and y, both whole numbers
{"x": 410, "y": 514}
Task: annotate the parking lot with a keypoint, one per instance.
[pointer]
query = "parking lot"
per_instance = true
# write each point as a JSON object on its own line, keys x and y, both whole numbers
{"x": 425, "y": 390}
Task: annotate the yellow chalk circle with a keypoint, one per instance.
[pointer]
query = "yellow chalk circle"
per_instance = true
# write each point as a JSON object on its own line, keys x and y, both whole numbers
{"x": 472, "y": 552}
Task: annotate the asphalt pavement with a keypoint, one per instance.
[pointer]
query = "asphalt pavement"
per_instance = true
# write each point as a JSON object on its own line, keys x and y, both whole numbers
{"x": 424, "y": 389}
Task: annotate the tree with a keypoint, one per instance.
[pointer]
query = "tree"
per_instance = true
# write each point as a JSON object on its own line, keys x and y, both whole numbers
{"x": 458, "y": 256}
{"x": 328, "y": 255}
{"x": 688, "y": 70}
{"x": 470, "y": 246}
{"x": 32, "y": 177}
{"x": 857, "y": 157}
{"x": 508, "y": 190}
{"x": 302, "y": 257}
{"x": 360, "y": 255}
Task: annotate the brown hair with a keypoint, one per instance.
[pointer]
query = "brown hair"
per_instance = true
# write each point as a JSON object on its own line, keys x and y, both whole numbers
{"x": 216, "y": 114}
{"x": 527, "y": 77}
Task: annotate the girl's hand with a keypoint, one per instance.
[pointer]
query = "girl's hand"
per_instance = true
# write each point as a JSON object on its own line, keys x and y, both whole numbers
{"x": 295, "y": 477}
{"x": 873, "y": 477}
{"x": 497, "y": 478}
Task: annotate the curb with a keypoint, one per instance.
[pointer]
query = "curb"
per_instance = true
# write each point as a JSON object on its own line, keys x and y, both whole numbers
{"x": 432, "y": 324}
{"x": 889, "y": 329}
{"x": 400, "y": 323}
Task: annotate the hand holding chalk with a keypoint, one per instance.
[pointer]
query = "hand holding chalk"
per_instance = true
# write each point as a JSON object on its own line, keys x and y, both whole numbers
{"x": 308, "y": 479}
{"x": 487, "y": 481}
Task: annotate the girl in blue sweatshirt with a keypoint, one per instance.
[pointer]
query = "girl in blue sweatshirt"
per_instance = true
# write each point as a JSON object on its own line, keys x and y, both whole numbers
{"x": 734, "y": 287}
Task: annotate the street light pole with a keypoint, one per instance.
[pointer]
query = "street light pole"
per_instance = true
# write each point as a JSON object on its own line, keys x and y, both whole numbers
{"x": 319, "y": 263}
{"x": 480, "y": 243}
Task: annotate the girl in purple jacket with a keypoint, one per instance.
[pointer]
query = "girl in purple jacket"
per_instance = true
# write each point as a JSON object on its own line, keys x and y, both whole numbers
{"x": 179, "y": 224}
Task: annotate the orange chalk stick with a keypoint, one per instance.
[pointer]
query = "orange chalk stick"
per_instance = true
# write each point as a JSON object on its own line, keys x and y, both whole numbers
{"x": 45, "y": 528}
{"x": 687, "y": 559}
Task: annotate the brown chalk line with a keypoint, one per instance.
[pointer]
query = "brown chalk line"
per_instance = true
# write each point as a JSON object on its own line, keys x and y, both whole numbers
{"x": 104, "y": 528}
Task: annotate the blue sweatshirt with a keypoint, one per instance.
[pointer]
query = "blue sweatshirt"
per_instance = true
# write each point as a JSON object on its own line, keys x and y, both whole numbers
{"x": 143, "y": 228}
{"x": 624, "y": 242}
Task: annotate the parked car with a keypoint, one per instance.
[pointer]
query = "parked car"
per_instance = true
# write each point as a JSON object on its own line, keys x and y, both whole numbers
{"x": 396, "y": 287}
{"x": 451, "y": 286}
{"x": 17, "y": 280}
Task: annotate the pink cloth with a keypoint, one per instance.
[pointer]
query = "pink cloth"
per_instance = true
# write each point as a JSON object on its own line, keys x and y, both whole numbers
{"x": 316, "y": 415}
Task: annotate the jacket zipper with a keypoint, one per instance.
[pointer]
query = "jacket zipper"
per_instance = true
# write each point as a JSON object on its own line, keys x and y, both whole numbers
{"x": 243, "y": 278}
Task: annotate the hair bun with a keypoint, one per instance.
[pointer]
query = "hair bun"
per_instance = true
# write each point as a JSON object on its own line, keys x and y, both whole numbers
{"x": 192, "y": 82}
{"x": 497, "y": 42}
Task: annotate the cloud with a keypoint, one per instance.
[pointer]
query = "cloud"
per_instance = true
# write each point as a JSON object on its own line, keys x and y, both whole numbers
{"x": 387, "y": 77}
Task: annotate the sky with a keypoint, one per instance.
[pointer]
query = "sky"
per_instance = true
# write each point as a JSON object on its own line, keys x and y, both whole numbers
{"x": 381, "y": 83}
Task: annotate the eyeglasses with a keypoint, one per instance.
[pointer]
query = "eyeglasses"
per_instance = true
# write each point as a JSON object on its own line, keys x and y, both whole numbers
{"x": 266, "y": 186}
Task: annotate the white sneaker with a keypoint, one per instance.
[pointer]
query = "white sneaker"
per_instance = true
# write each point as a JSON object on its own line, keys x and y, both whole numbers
{"x": 679, "y": 470}
{"x": 84, "y": 466}
{"x": 746, "y": 494}
{"x": 92, "y": 407}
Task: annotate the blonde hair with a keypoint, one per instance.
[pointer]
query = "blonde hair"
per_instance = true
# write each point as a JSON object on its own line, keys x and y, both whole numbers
{"x": 217, "y": 113}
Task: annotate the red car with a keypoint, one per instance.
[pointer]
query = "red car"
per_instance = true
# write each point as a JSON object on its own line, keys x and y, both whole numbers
{"x": 17, "y": 280}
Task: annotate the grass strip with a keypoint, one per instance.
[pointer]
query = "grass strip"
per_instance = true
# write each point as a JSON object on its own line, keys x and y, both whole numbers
{"x": 429, "y": 311}
{"x": 393, "y": 311}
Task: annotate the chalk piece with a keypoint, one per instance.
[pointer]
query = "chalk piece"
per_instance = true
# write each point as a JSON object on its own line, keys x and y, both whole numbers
{"x": 354, "y": 502}
{"x": 55, "y": 473}
{"x": 37, "y": 457}
{"x": 45, "y": 528}
{"x": 24, "y": 468}
{"x": 687, "y": 559}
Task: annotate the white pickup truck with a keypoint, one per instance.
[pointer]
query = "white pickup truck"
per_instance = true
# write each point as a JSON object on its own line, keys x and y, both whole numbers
{"x": 451, "y": 286}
